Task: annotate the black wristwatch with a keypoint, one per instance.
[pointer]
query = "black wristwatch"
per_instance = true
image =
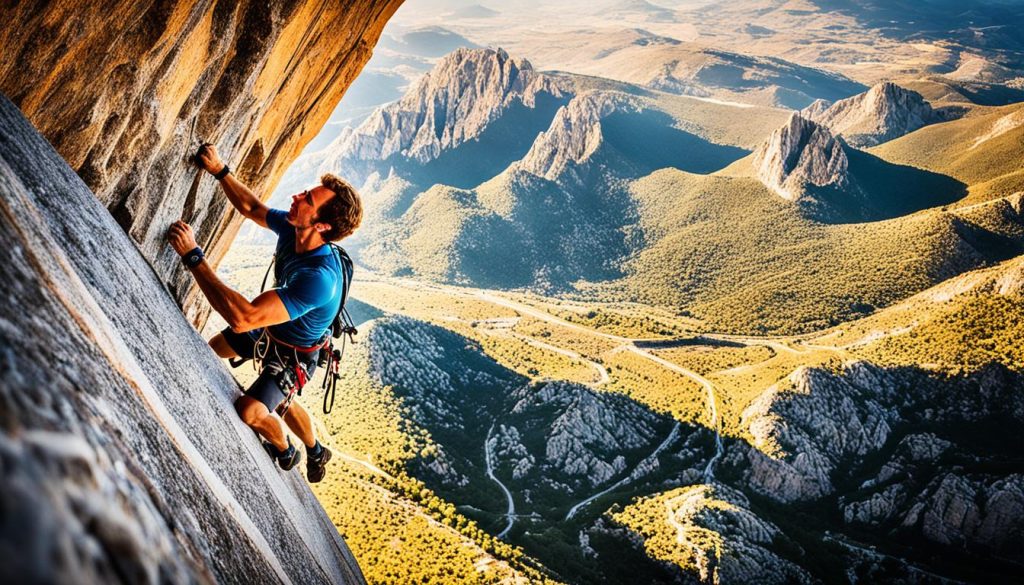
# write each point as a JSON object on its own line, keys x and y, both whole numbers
{"x": 219, "y": 175}
{"x": 192, "y": 258}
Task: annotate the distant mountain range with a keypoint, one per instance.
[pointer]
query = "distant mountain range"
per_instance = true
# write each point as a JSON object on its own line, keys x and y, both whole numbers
{"x": 491, "y": 173}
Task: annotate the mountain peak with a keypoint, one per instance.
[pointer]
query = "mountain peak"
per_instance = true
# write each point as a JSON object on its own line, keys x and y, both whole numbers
{"x": 450, "y": 105}
{"x": 884, "y": 112}
{"x": 574, "y": 135}
{"x": 800, "y": 154}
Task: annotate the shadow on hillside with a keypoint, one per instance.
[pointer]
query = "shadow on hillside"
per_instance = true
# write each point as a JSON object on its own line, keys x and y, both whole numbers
{"x": 953, "y": 21}
{"x": 648, "y": 141}
{"x": 362, "y": 312}
{"x": 505, "y": 140}
{"x": 972, "y": 418}
{"x": 883, "y": 190}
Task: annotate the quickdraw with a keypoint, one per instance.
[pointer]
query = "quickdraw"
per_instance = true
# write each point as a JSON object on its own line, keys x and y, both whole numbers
{"x": 330, "y": 360}
{"x": 291, "y": 380}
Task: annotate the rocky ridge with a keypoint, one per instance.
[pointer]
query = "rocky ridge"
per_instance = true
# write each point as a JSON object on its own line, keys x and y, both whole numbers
{"x": 451, "y": 105}
{"x": 884, "y": 112}
{"x": 813, "y": 433}
{"x": 799, "y": 155}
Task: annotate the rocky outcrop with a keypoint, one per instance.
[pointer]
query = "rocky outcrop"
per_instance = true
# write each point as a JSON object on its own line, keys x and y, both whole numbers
{"x": 123, "y": 91}
{"x": 816, "y": 420}
{"x": 884, "y": 112}
{"x": 822, "y": 428}
{"x": 976, "y": 512}
{"x": 560, "y": 154}
{"x": 800, "y": 155}
{"x": 452, "y": 104}
{"x": 507, "y": 446}
{"x": 590, "y": 433}
{"x": 710, "y": 530}
{"x": 123, "y": 457}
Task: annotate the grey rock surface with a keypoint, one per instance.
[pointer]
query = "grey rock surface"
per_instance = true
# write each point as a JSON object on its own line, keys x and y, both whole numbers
{"x": 560, "y": 153}
{"x": 799, "y": 155}
{"x": 884, "y": 112}
{"x": 589, "y": 432}
{"x": 123, "y": 457}
{"x": 452, "y": 104}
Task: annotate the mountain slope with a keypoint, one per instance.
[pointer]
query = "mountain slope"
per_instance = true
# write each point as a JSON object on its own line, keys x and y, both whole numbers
{"x": 772, "y": 269}
{"x": 982, "y": 150}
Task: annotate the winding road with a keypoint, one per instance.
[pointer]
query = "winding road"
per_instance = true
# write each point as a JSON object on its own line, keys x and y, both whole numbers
{"x": 602, "y": 374}
{"x": 510, "y": 515}
{"x": 628, "y": 344}
{"x": 714, "y": 421}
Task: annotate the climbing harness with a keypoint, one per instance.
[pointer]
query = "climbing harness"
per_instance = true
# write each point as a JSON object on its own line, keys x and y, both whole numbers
{"x": 292, "y": 373}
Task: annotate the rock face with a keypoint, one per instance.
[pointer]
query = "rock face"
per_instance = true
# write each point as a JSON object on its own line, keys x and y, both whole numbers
{"x": 118, "y": 89}
{"x": 560, "y": 153}
{"x": 123, "y": 457}
{"x": 823, "y": 429}
{"x": 884, "y": 112}
{"x": 452, "y": 104}
{"x": 799, "y": 155}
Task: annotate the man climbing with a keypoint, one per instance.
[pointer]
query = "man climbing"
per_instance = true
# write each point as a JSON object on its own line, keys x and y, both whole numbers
{"x": 284, "y": 327}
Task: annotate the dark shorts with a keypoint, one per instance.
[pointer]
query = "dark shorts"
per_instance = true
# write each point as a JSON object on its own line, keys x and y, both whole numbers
{"x": 267, "y": 388}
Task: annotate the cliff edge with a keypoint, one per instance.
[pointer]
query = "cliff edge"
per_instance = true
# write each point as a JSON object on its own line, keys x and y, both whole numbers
{"x": 122, "y": 457}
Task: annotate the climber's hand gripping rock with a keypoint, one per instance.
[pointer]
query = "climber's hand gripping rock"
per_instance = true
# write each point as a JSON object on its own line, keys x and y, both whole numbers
{"x": 181, "y": 237}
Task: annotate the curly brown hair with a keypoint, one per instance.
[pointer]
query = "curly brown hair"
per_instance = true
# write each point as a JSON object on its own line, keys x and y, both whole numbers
{"x": 344, "y": 212}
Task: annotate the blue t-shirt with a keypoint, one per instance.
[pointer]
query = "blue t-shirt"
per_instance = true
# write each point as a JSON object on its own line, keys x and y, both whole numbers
{"x": 310, "y": 285}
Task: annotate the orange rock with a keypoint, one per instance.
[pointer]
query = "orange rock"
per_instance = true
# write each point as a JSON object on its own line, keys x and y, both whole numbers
{"x": 117, "y": 87}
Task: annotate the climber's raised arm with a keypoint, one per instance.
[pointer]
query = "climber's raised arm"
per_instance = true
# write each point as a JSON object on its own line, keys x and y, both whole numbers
{"x": 240, "y": 196}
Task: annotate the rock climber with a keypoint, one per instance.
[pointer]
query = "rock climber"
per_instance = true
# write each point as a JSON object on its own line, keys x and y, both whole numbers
{"x": 284, "y": 327}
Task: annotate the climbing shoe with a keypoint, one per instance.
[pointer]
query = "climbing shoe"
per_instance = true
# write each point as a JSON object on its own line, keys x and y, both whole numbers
{"x": 316, "y": 464}
{"x": 286, "y": 459}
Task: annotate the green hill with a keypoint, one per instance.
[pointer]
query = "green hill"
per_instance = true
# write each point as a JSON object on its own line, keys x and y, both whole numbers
{"x": 743, "y": 259}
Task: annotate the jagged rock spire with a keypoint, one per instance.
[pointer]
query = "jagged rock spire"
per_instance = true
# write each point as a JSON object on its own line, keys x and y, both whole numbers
{"x": 798, "y": 155}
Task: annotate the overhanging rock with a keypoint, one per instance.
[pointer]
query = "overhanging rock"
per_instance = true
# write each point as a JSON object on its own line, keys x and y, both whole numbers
{"x": 124, "y": 89}
{"x": 122, "y": 457}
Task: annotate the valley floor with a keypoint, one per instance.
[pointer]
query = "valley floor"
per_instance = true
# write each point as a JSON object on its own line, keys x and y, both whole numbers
{"x": 710, "y": 384}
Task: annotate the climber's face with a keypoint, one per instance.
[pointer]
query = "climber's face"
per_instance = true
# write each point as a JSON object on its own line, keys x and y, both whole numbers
{"x": 306, "y": 207}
